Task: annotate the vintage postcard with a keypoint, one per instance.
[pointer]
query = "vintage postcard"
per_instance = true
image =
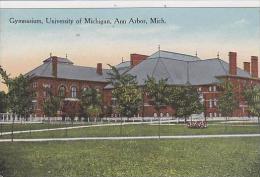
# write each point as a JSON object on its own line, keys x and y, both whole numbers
{"x": 148, "y": 88}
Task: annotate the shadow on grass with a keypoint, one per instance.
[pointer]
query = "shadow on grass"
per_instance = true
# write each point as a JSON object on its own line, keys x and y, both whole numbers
{"x": 13, "y": 166}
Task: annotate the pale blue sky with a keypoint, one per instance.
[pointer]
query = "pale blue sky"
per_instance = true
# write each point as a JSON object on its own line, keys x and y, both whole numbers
{"x": 207, "y": 30}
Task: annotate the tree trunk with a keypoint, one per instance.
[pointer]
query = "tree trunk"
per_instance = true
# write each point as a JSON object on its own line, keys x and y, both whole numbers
{"x": 1, "y": 128}
{"x": 159, "y": 127}
{"x": 48, "y": 123}
{"x": 12, "y": 129}
{"x": 121, "y": 124}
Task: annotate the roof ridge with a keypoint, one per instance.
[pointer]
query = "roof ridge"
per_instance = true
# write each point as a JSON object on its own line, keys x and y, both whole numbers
{"x": 48, "y": 63}
{"x": 155, "y": 66}
{"x": 167, "y": 71}
{"x": 34, "y": 69}
{"x": 220, "y": 61}
{"x": 180, "y": 53}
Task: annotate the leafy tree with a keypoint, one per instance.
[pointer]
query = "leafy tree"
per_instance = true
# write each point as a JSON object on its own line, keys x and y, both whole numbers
{"x": 227, "y": 102}
{"x": 19, "y": 94}
{"x": 70, "y": 108}
{"x": 51, "y": 106}
{"x": 93, "y": 110}
{"x": 128, "y": 96}
{"x": 158, "y": 93}
{"x": 3, "y": 102}
{"x": 114, "y": 76}
{"x": 185, "y": 100}
{"x": 91, "y": 102}
{"x": 252, "y": 96}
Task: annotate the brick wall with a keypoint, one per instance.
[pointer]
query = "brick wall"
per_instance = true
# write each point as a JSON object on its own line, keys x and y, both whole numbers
{"x": 55, "y": 83}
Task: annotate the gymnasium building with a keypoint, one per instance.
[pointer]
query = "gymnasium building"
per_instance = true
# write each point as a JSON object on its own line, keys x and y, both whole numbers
{"x": 65, "y": 79}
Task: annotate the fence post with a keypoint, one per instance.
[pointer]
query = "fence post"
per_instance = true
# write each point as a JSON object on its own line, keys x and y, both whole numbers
{"x": 12, "y": 129}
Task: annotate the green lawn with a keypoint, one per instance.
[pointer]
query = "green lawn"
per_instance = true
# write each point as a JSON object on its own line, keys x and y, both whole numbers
{"x": 34, "y": 126}
{"x": 142, "y": 130}
{"x": 238, "y": 157}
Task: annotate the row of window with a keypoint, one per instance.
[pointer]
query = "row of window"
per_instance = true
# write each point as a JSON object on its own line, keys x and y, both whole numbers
{"x": 211, "y": 89}
{"x": 62, "y": 91}
{"x": 214, "y": 114}
{"x": 212, "y": 102}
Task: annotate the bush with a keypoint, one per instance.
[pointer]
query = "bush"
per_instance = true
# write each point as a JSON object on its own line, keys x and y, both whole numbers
{"x": 197, "y": 124}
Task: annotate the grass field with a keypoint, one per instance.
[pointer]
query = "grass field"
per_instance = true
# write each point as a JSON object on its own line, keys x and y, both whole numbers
{"x": 142, "y": 130}
{"x": 35, "y": 126}
{"x": 238, "y": 157}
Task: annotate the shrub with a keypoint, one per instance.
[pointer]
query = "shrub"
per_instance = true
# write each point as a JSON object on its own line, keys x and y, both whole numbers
{"x": 197, "y": 124}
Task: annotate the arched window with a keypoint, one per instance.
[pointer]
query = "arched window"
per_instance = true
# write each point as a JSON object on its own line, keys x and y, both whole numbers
{"x": 62, "y": 91}
{"x": 73, "y": 92}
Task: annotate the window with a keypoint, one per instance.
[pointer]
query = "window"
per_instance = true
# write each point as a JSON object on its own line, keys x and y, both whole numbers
{"x": 199, "y": 89}
{"x": 73, "y": 92}
{"x": 46, "y": 90}
{"x": 34, "y": 84}
{"x": 214, "y": 88}
{"x": 215, "y": 114}
{"x": 210, "y": 88}
{"x": 210, "y": 114}
{"x": 34, "y": 94}
{"x": 34, "y": 105}
{"x": 113, "y": 101}
{"x": 62, "y": 91}
{"x": 210, "y": 103}
{"x": 215, "y": 102}
{"x": 201, "y": 98}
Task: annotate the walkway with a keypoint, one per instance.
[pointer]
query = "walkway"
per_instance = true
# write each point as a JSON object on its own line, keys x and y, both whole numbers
{"x": 76, "y": 127}
{"x": 132, "y": 138}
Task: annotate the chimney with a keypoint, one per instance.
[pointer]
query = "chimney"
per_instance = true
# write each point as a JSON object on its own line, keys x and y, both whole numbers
{"x": 247, "y": 67}
{"x": 135, "y": 59}
{"x": 232, "y": 63}
{"x": 54, "y": 61}
{"x": 254, "y": 66}
{"x": 99, "y": 68}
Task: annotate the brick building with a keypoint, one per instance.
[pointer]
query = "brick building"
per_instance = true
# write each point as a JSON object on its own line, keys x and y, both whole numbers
{"x": 66, "y": 79}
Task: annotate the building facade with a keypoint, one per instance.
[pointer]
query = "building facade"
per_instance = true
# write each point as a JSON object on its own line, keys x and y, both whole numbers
{"x": 67, "y": 80}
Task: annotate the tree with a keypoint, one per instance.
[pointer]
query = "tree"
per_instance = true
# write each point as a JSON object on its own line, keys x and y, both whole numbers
{"x": 227, "y": 102}
{"x": 3, "y": 95}
{"x": 19, "y": 94}
{"x": 3, "y": 102}
{"x": 128, "y": 96}
{"x": 185, "y": 100}
{"x": 158, "y": 93}
{"x": 51, "y": 106}
{"x": 91, "y": 101}
{"x": 114, "y": 76}
{"x": 252, "y": 96}
{"x": 71, "y": 108}
{"x": 126, "y": 92}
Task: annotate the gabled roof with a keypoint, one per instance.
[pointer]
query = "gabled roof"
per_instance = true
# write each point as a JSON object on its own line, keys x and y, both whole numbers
{"x": 123, "y": 67}
{"x": 60, "y": 60}
{"x": 179, "y": 72}
{"x": 173, "y": 55}
{"x": 66, "y": 70}
{"x": 123, "y": 64}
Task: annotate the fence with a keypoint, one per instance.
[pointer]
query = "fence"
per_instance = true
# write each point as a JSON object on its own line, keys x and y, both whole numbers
{"x": 11, "y": 117}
